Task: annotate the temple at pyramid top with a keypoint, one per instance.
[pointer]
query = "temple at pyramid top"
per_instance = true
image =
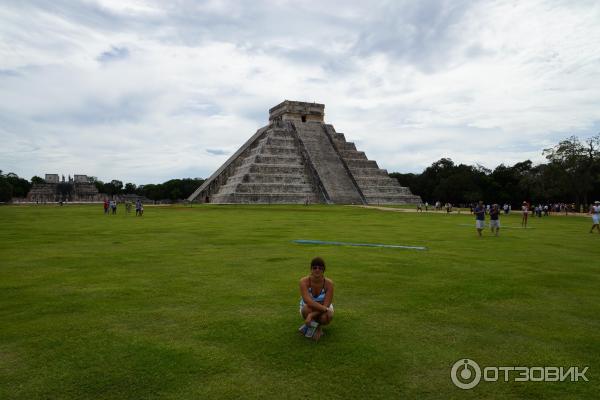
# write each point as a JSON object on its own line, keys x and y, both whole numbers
{"x": 298, "y": 158}
{"x": 297, "y": 111}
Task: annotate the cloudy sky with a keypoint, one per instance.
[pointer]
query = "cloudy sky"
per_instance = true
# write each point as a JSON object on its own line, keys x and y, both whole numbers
{"x": 146, "y": 91}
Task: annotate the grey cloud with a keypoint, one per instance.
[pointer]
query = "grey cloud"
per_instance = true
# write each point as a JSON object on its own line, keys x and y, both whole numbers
{"x": 96, "y": 111}
{"x": 87, "y": 14}
{"x": 476, "y": 50}
{"x": 421, "y": 33}
{"x": 8, "y": 73}
{"x": 217, "y": 152}
{"x": 114, "y": 54}
{"x": 198, "y": 106}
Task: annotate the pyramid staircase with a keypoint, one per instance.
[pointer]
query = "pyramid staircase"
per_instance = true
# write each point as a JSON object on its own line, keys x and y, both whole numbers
{"x": 271, "y": 171}
{"x": 374, "y": 183}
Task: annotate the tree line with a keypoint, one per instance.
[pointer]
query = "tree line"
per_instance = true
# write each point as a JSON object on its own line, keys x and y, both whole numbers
{"x": 570, "y": 175}
{"x": 171, "y": 190}
{"x": 12, "y": 186}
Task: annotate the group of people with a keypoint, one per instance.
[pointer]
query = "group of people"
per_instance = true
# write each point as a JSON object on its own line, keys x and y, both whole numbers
{"x": 480, "y": 211}
{"x": 437, "y": 207}
{"x": 110, "y": 207}
{"x": 494, "y": 212}
{"x": 506, "y": 208}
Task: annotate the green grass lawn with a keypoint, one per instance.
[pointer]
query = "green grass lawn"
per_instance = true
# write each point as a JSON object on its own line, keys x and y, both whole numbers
{"x": 202, "y": 303}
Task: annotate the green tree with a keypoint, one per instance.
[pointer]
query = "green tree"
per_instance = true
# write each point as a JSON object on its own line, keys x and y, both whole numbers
{"x": 130, "y": 188}
{"x": 6, "y": 190}
{"x": 575, "y": 164}
{"x": 19, "y": 187}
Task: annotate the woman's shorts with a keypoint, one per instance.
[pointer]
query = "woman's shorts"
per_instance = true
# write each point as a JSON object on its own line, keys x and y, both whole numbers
{"x": 595, "y": 219}
{"x": 494, "y": 223}
{"x": 479, "y": 224}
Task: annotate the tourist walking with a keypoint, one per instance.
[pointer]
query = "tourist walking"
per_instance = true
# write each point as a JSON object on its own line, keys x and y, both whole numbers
{"x": 595, "y": 211}
{"x": 479, "y": 212}
{"x": 495, "y": 219}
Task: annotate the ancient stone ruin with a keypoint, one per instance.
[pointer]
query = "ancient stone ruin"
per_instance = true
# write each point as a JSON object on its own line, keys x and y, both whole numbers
{"x": 78, "y": 189}
{"x": 297, "y": 158}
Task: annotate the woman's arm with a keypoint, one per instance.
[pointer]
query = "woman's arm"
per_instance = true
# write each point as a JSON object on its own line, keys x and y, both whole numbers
{"x": 329, "y": 293}
{"x": 308, "y": 298}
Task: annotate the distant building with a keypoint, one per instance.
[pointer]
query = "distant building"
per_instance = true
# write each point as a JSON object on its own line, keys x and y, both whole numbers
{"x": 51, "y": 178}
{"x": 79, "y": 189}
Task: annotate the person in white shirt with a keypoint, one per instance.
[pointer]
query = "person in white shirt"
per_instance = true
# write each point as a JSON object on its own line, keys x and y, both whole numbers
{"x": 525, "y": 211}
{"x": 595, "y": 211}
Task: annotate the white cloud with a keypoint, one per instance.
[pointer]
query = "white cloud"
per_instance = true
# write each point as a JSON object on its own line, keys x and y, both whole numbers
{"x": 147, "y": 91}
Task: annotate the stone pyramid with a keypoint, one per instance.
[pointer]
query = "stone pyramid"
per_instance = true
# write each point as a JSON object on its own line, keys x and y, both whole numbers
{"x": 297, "y": 158}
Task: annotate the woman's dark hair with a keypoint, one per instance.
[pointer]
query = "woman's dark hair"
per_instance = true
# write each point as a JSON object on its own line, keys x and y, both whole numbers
{"x": 317, "y": 261}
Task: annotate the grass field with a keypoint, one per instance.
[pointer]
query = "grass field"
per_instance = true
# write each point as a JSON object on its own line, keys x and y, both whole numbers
{"x": 202, "y": 302}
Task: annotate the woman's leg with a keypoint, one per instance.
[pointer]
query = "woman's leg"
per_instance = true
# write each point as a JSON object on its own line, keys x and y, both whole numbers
{"x": 308, "y": 314}
{"x": 325, "y": 318}
{"x": 322, "y": 318}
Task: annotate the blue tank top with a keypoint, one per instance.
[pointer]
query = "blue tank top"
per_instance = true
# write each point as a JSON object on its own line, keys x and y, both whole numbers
{"x": 320, "y": 298}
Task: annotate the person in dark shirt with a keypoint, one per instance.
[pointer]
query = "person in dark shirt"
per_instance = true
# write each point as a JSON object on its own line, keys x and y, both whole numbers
{"x": 495, "y": 219}
{"x": 479, "y": 217}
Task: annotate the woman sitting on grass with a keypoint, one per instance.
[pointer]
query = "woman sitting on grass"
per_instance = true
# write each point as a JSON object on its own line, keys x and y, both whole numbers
{"x": 316, "y": 303}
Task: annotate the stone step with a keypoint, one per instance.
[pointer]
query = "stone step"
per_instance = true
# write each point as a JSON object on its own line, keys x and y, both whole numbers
{"x": 279, "y": 134}
{"x": 360, "y": 173}
{"x": 338, "y": 136}
{"x": 273, "y": 169}
{"x": 362, "y": 164}
{"x": 259, "y": 188}
{"x": 266, "y": 198}
{"x": 392, "y": 199}
{"x": 278, "y": 159}
{"x": 353, "y": 155}
{"x": 272, "y": 159}
{"x": 293, "y": 179}
{"x": 280, "y": 142}
{"x": 373, "y": 190}
{"x": 366, "y": 181}
{"x": 280, "y": 150}
{"x": 345, "y": 146}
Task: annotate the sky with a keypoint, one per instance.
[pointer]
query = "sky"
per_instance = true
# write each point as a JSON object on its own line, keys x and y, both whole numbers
{"x": 147, "y": 91}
